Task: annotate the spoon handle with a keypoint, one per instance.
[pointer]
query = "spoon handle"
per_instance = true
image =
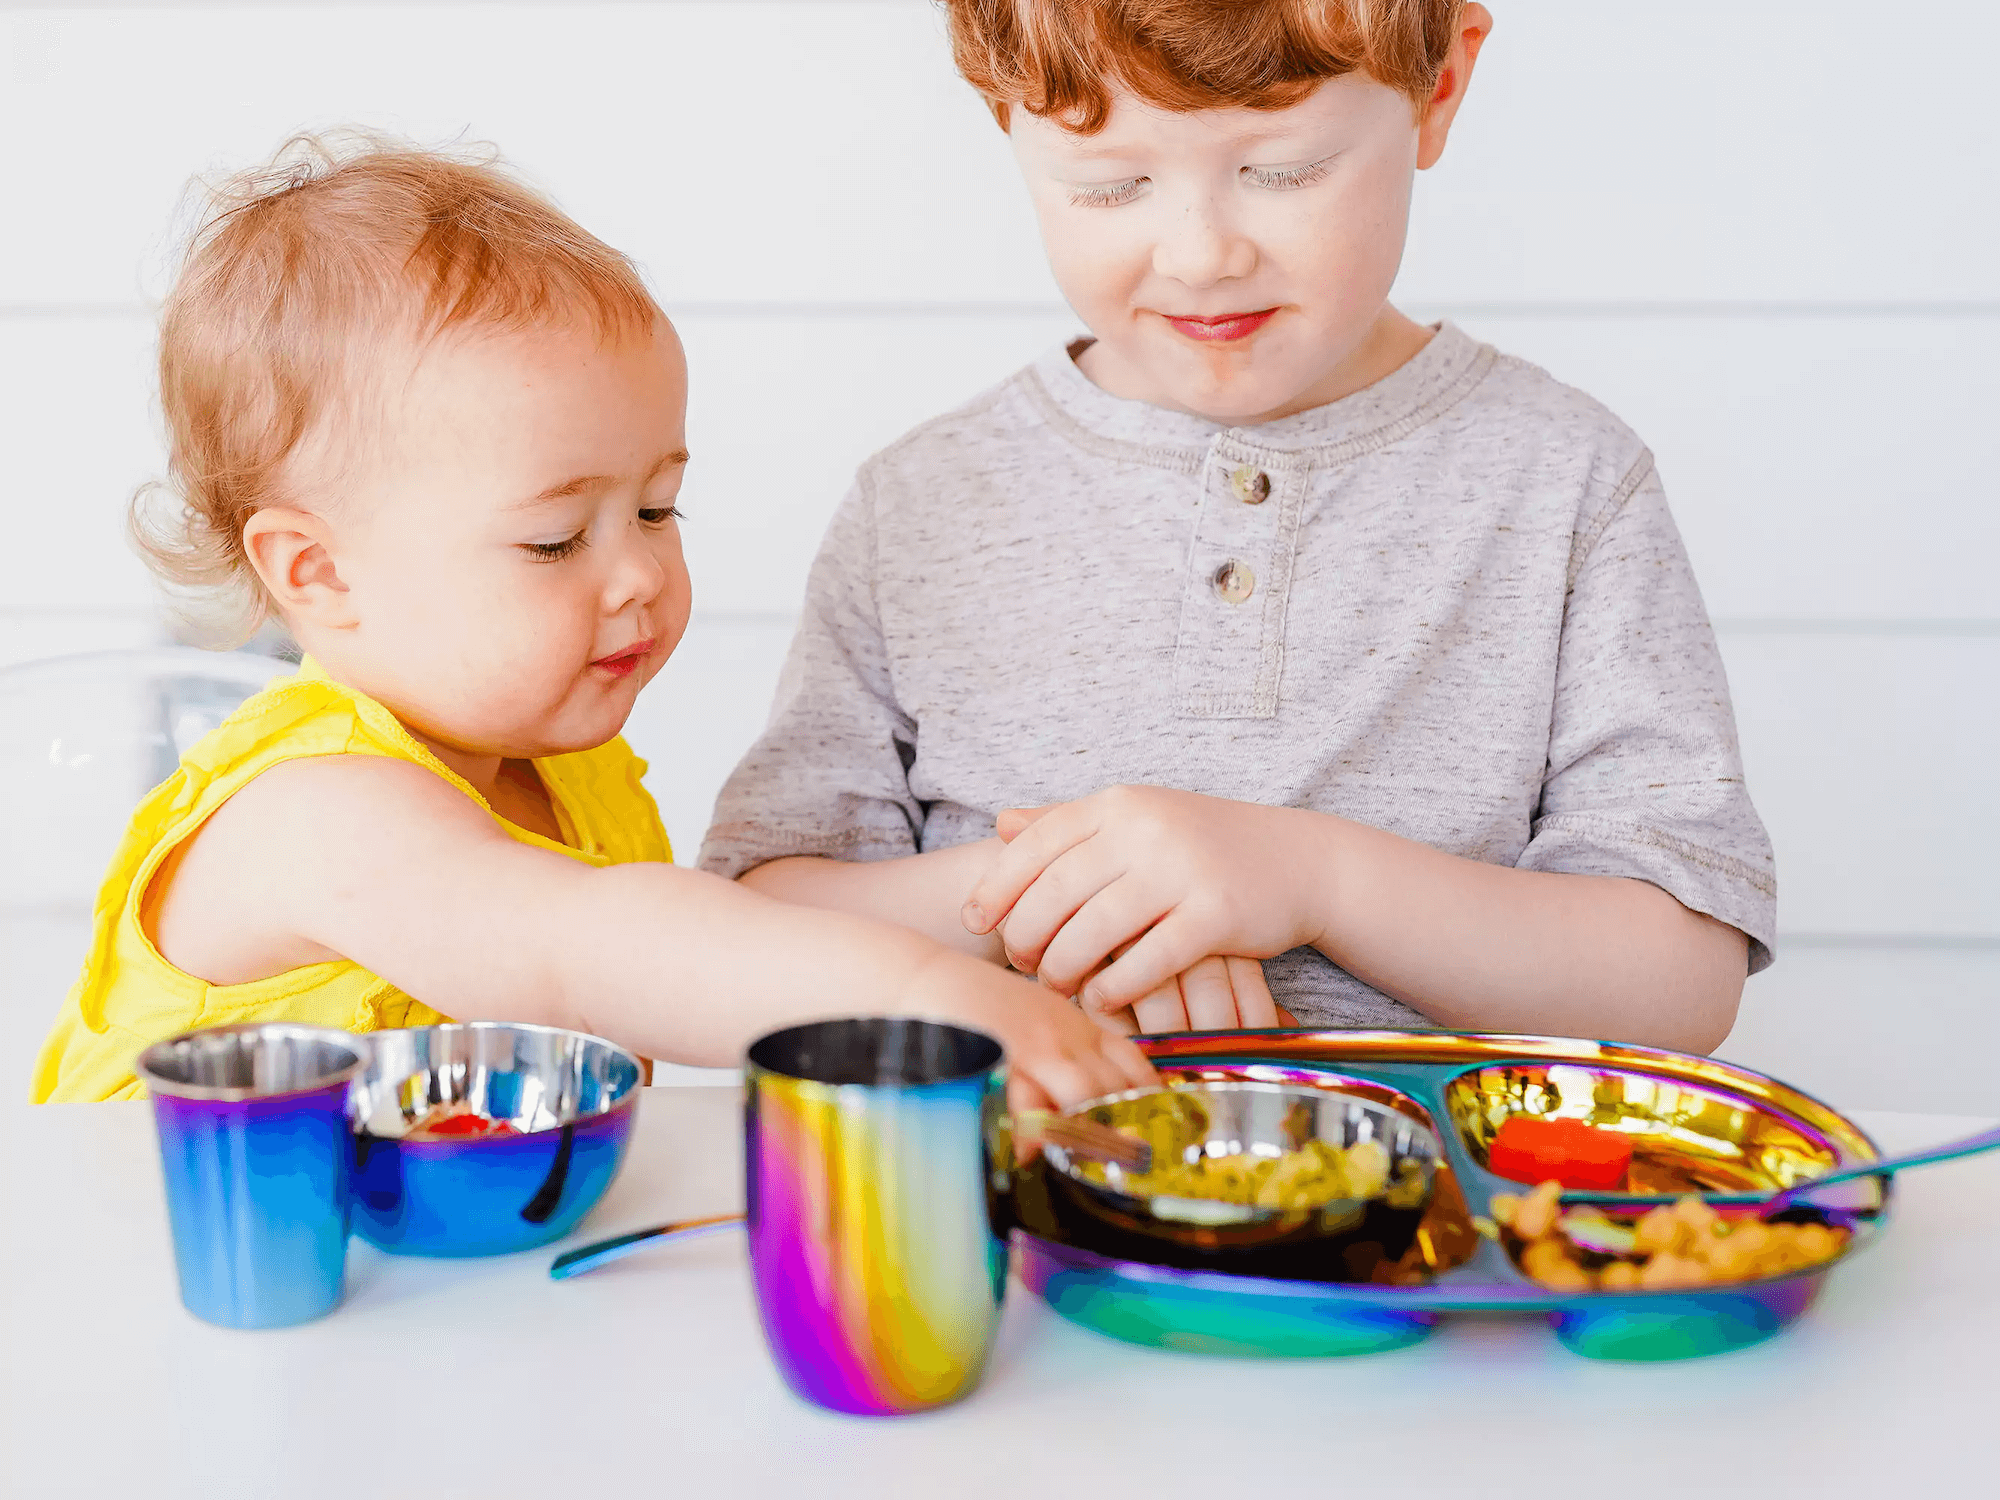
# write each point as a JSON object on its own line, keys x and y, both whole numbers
{"x": 603, "y": 1252}
{"x": 1086, "y": 1138}
{"x": 1971, "y": 1145}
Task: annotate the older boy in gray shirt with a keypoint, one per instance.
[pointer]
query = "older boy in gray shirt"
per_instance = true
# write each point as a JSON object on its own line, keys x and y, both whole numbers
{"x": 1295, "y": 631}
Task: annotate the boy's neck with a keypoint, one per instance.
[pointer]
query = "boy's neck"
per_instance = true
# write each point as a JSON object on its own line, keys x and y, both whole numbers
{"x": 1391, "y": 342}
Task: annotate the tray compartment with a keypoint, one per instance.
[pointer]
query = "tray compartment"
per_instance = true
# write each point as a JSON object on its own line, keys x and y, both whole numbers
{"x": 1399, "y": 1247}
{"x": 1685, "y": 1136}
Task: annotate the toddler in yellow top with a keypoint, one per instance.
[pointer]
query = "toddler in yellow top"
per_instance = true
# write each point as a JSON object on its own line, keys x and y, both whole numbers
{"x": 438, "y": 429}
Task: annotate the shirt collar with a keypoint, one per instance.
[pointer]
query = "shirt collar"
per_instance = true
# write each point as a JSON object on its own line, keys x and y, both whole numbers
{"x": 1429, "y": 381}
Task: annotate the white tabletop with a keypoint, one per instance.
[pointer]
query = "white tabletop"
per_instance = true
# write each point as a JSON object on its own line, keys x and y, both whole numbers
{"x": 483, "y": 1377}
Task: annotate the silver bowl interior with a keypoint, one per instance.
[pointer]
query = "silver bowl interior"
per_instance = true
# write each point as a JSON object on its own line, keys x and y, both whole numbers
{"x": 532, "y": 1077}
{"x": 257, "y": 1060}
{"x": 1247, "y": 1118}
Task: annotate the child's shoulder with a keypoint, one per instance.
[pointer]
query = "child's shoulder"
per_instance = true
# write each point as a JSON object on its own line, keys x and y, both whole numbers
{"x": 982, "y": 427}
{"x": 1528, "y": 416}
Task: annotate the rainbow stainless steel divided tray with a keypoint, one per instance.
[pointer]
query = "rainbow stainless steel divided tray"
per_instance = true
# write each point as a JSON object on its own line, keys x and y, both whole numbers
{"x": 1697, "y": 1124}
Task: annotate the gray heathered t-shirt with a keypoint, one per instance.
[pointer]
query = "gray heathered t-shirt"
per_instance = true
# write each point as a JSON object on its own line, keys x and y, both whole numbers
{"x": 1453, "y": 606}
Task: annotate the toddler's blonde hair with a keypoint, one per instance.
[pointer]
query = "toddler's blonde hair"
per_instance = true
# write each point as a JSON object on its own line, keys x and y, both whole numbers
{"x": 294, "y": 269}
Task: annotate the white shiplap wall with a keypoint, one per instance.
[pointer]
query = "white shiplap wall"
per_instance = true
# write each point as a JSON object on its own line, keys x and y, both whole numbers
{"x": 1754, "y": 231}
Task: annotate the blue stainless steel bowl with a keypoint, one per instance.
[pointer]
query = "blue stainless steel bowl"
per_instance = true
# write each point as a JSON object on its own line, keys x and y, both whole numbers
{"x": 571, "y": 1096}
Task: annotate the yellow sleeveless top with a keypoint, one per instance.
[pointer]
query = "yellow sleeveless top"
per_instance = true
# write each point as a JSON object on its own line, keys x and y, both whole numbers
{"x": 129, "y": 997}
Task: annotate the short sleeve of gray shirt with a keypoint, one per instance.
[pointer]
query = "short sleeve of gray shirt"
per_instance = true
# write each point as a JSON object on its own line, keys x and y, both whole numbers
{"x": 1453, "y": 606}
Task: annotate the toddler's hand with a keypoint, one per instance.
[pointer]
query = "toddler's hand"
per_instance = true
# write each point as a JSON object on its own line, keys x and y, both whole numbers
{"x": 1171, "y": 877}
{"x": 1057, "y": 1054}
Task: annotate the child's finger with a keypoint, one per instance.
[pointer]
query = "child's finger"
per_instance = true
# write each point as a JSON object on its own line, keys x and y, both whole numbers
{"x": 1013, "y": 819}
{"x": 1172, "y": 944}
{"x": 1211, "y": 998}
{"x": 1071, "y": 879}
{"x": 1024, "y": 1094}
{"x": 1135, "y": 1069}
{"x": 1163, "y": 1010}
{"x": 1117, "y": 1022}
{"x": 1254, "y": 1006}
{"x": 1066, "y": 1078}
{"x": 1119, "y": 913}
{"x": 1014, "y": 869}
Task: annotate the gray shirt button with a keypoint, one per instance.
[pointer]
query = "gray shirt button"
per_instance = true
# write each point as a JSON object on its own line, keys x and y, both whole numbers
{"x": 1252, "y": 486}
{"x": 1234, "y": 581}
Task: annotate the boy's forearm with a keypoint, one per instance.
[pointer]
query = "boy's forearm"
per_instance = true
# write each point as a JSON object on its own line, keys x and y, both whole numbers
{"x": 921, "y": 891}
{"x": 1490, "y": 947}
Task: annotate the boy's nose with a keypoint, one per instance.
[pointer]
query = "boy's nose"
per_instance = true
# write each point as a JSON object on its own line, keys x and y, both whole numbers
{"x": 1198, "y": 249}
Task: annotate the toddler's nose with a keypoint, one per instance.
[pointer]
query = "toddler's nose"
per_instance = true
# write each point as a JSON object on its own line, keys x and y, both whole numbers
{"x": 639, "y": 578}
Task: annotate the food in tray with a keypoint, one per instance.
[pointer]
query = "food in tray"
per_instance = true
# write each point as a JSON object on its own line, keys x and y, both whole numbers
{"x": 456, "y": 1121}
{"x": 1313, "y": 1174}
{"x": 1686, "y": 1244}
{"x": 1531, "y": 1148}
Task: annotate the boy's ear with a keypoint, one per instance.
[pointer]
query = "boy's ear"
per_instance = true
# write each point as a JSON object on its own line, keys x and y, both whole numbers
{"x": 1475, "y": 22}
{"x": 291, "y": 551}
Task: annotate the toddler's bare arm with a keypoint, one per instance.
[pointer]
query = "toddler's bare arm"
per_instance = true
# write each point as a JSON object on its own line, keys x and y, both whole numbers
{"x": 389, "y": 866}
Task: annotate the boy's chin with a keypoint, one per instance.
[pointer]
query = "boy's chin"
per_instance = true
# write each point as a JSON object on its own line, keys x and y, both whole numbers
{"x": 1242, "y": 401}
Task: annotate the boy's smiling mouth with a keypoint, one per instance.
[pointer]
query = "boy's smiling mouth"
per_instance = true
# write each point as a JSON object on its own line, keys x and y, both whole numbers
{"x": 625, "y": 662}
{"x": 1223, "y": 328}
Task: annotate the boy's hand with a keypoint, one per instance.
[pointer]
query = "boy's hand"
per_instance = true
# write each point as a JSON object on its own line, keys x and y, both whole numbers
{"x": 1170, "y": 876}
{"x": 1216, "y": 993}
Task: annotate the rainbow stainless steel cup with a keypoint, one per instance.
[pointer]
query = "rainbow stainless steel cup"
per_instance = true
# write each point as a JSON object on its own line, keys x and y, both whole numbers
{"x": 876, "y": 1164}
{"x": 259, "y": 1162}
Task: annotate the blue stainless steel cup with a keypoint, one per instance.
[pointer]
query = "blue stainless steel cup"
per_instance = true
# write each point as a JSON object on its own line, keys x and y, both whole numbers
{"x": 259, "y": 1162}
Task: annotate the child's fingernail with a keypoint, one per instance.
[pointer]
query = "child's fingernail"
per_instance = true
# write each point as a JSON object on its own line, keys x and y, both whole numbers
{"x": 973, "y": 917}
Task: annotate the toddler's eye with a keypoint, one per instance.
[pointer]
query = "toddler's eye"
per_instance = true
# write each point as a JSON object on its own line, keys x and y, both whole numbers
{"x": 557, "y": 551}
{"x": 1289, "y": 177}
{"x": 1107, "y": 194}
{"x": 659, "y": 515}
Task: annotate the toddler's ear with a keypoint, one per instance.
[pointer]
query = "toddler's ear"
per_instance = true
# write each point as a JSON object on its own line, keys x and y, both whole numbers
{"x": 288, "y": 548}
{"x": 1012, "y": 820}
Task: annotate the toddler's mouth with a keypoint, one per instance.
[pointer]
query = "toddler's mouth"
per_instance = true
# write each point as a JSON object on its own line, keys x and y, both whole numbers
{"x": 1224, "y": 328}
{"x": 625, "y": 662}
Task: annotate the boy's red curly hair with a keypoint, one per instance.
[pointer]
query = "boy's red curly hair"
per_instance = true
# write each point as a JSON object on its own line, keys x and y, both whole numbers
{"x": 1063, "y": 59}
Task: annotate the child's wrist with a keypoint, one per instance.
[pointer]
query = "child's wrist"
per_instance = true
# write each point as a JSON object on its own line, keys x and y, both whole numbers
{"x": 1333, "y": 862}
{"x": 939, "y": 985}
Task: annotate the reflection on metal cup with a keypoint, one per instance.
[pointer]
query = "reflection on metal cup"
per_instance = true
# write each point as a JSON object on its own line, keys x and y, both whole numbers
{"x": 258, "y": 1156}
{"x": 875, "y": 1165}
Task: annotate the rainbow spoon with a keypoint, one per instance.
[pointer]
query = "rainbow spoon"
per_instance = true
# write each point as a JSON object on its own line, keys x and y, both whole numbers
{"x": 1772, "y": 1203}
{"x": 1080, "y": 1137}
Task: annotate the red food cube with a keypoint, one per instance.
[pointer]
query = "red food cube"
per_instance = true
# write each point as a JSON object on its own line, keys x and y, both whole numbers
{"x": 1530, "y": 1149}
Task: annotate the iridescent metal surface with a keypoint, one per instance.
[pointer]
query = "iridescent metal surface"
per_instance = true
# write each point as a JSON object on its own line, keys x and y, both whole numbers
{"x": 571, "y": 1097}
{"x": 1255, "y": 1117}
{"x": 1685, "y": 1137}
{"x": 256, "y": 1149}
{"x": 875, "y": 1168}
{"x": 1699, "y": 1122}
